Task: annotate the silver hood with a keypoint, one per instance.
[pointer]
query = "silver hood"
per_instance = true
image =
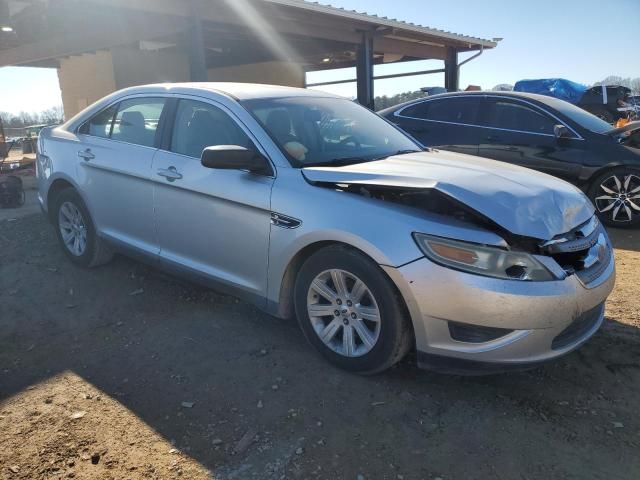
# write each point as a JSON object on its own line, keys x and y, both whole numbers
{"x": 522, "y": 201}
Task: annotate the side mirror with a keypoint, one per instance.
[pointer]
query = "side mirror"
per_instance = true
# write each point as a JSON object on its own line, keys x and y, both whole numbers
{"x": 235, "y": 157}
{"x": 560, "y": 131}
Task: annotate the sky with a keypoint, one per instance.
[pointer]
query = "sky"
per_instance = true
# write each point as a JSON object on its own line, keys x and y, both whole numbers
{"x": 582, "y": 40}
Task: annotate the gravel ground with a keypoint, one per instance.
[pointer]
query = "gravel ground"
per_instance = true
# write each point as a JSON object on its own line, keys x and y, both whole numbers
{"x": 123, "y": 372}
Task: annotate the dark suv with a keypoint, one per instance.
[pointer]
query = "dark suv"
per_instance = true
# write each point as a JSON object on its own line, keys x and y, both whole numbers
{"x": 539, "y": 132}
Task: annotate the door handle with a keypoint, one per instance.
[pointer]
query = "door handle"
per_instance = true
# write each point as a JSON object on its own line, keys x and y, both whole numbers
{"x": 86, "y": 154}
{"x": 492, "y": 138}
{"x": 171, "y": 174}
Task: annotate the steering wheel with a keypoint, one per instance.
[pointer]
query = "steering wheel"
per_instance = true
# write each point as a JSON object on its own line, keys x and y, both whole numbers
{"x": 350, "y": 139}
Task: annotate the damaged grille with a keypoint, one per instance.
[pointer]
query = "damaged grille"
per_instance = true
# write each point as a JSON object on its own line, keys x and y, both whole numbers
{"x": 584, "y": 252}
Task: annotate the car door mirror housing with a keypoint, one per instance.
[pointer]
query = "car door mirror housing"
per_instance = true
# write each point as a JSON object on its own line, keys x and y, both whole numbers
{"x": 235, "y": 157}
{"x": 561, "y": 131}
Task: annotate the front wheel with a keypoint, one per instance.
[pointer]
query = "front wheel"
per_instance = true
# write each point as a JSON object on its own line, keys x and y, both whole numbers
{"x": 616, "y": 196}
{"x": 350, "y": 311}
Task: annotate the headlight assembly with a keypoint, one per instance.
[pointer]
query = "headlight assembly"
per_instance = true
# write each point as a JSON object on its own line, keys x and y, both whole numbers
{"x": 482, "y": 260}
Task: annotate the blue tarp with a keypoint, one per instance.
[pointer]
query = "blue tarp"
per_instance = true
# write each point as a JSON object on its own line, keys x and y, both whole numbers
{"x": 553, "y": 87}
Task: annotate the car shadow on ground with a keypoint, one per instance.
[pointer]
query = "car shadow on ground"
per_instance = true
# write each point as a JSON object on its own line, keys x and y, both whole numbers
{"x": 153, "y": 342}
{"x": 625, "y": 239}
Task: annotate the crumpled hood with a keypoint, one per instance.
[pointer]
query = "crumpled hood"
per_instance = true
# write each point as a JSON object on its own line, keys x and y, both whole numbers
{"x": 522, "y": 201}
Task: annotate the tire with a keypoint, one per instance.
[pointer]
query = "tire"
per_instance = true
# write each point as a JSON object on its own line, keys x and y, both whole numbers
{"x": 387, "y": 341}
{"x": 95, "y": 252}
{"x": 616, "y": 196}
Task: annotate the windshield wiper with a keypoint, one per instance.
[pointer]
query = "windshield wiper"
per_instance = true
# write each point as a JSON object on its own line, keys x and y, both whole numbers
{"x": 399, "y": 152}
{"x": 341, "y": 162}
{"x": 338, "y": 162}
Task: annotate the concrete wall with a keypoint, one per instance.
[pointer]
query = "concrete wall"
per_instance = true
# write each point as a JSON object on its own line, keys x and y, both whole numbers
{"x": 85, "y": 79}
{"x": 139, "y": 67}
{"x": 89, "y": 77}
{"x": 275, "y": 73}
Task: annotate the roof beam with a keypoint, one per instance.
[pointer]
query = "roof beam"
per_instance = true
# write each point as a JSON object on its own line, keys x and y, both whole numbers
{"x": 99, "y": 32}
{"x": 334, "y": 24}
{"x": 410, "y": 49}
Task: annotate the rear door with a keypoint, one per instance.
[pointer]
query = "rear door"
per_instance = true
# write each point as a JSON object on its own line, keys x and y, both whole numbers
{"x": 212, "y": 223}
{"x": 116, "y": 150}
{"x": 521, "y": 133}
{"x": 448, "y": 123}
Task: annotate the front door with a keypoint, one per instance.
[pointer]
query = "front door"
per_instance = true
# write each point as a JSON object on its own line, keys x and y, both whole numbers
{"x": 522, "y": 134}
{"x": 212, "y": 223}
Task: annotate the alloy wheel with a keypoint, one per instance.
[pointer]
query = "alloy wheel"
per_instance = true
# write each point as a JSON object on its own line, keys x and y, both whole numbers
{"x": 72, "y": 228}
{"x": 344, "y": 313}
{"x": 620, "y": 198}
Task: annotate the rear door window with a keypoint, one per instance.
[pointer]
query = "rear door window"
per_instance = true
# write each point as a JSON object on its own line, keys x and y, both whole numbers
{"x": 417, "y": 110}
{"x": 453, "y": 110}
{"x": 516, "y": 116}
{"x": 137, "y": 121}
{"x": 100, "y": 124}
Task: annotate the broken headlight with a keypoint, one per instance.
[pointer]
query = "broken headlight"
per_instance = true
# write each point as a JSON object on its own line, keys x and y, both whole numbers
{"x": 482, "y": 260}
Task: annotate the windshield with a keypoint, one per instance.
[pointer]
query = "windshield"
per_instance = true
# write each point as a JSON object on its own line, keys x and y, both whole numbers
{"x": 583, "y": 118}
{"x": 314, "y": 131}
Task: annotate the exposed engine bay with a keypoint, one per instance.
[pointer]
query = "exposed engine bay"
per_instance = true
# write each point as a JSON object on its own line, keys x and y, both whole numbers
{"x": 434, "y": 201}
{"x": 426, "y": 199}
{"x": 577, "y": 252}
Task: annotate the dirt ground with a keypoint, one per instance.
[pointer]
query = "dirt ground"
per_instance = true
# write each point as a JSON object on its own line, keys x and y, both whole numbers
{"x": 123, "y": 372}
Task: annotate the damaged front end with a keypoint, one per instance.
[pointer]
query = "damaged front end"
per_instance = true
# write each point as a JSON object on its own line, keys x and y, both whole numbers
{"x": 583, "y": 251}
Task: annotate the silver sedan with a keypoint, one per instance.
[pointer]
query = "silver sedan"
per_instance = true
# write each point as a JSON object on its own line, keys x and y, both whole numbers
{"x": 311, "y": 206}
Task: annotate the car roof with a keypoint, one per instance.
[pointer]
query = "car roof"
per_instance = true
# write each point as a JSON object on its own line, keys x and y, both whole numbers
{"x": 549, "y": 101}
{"x": 239, "y": 91}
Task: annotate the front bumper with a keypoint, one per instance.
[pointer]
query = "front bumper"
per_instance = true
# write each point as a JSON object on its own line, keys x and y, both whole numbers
{"x": 540, "y": 315}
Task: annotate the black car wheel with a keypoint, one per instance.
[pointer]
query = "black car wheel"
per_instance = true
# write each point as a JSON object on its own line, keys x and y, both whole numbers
{"x": 616, "y": 196}
{"x": 351, "y": 312}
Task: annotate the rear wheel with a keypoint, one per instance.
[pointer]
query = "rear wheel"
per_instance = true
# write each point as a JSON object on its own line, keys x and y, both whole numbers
{"x": 76, "y": 231}
{"x": 350, "y": 311}
{"x": 616, "y": 196}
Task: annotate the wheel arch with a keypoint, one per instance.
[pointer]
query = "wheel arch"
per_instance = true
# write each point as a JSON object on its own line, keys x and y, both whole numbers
{"x": 285, "y": 307}
{"x": 57, "y": 186}
{"x": 606, "y": 169}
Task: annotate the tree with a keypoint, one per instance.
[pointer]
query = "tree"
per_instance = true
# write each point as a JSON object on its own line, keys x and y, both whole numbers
{"x": 50, "y": 116}
{"x": 632, "y": 83}
{"x": 386, "y": 102}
